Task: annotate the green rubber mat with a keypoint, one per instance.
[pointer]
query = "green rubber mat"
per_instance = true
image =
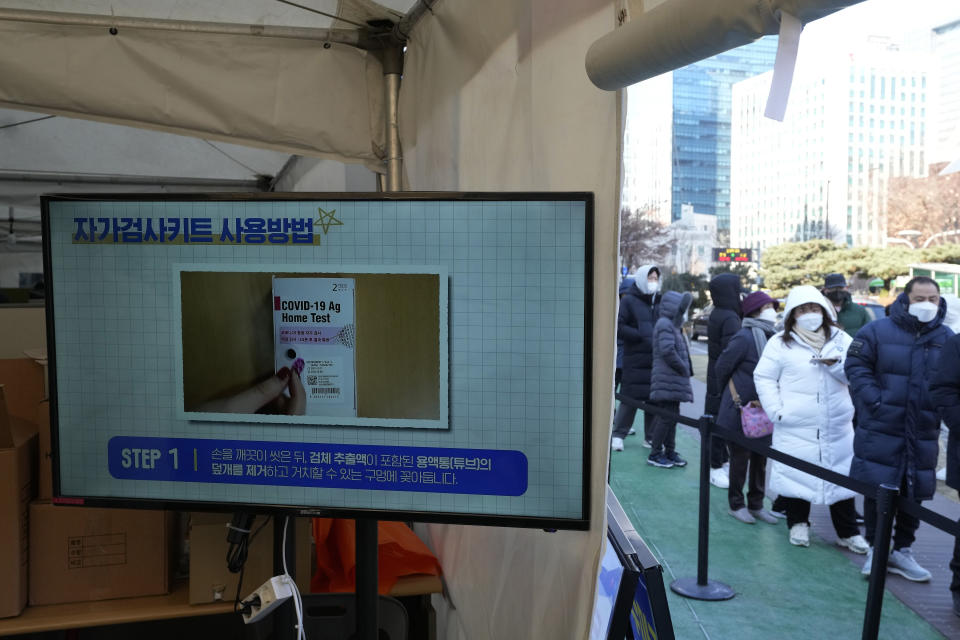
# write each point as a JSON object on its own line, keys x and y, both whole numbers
{"x": 782, "y": 591}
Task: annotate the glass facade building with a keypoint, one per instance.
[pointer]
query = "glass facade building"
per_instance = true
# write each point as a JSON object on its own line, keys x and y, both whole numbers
{"x": 702, "y": 96}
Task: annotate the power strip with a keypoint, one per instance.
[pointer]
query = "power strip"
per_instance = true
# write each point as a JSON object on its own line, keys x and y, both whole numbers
{"x": 268, "y": 597}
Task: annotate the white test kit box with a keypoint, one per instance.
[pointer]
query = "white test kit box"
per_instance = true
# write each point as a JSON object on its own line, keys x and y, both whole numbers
{"x": 314, "y": 328}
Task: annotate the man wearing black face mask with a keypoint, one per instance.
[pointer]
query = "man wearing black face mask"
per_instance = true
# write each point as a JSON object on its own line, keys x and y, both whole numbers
{"x": 850, "y": 315}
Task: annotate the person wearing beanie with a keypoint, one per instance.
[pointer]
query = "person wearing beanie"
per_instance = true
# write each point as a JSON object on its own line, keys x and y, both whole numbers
{"x": 639, "y": 308}
{"x": 735, "y": 372}
{"x": 802, "y": 386}
{"x": 890, "y": 364}
{"x": 670, "y": 379}
{"x": 850, "y": 316}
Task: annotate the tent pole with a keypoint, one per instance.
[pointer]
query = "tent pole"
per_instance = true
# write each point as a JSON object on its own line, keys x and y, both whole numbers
{"x": 392, "y": 70}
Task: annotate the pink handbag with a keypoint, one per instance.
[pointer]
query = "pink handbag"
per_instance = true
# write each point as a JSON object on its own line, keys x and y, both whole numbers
{"x": 753, "y": 419}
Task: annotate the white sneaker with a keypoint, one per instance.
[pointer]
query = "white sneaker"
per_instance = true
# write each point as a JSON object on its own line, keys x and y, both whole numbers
{"x": 800, "y": 534}
{"x": 616, "y": 444}
{"x": 855, "y": 543}
{"x": 719, "y": 478}
{"x": 902, "y": 562}
{"x": 632, "y": 432}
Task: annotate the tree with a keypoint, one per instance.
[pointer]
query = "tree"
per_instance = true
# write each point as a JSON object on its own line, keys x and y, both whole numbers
{"x": 643, "y": 240}
{"x": 929, "y": 205}
{"x": 747, "y": 272}
{"x": 694, "y": 283}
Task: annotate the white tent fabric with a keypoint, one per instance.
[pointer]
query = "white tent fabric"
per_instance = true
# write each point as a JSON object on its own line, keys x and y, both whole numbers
{"x": 494, "y": 97}
{"x": 261, "y": 91}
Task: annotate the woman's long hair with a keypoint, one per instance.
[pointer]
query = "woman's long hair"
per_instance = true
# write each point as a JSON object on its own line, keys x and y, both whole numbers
{"x": 791, "y": 322}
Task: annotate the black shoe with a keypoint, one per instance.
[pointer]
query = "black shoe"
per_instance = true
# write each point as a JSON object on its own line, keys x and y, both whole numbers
{"x": 657, "y": 459}
{"x": 675, "y": 458}
{"x": 956, "y": 602}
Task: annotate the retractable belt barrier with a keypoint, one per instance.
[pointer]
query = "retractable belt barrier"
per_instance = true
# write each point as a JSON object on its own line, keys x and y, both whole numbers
{"x": 887, "y": 497}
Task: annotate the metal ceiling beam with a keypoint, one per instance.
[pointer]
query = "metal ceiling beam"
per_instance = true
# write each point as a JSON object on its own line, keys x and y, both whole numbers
{"x": 259, "y": 184}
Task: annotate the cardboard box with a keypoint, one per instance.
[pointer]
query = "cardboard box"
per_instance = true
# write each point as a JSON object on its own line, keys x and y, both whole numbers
{"x": 82, "y": 553}
{"x": 23, "y": 379}
{"x": 44, "y": 453}
{"x": 211, "y": 581}
{"x": 18, "y": 456}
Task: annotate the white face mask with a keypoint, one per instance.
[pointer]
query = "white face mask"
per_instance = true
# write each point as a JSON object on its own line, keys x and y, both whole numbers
{"x": 923, "y": 311}
{"x": 810, "y": 321}
{"x": 769, "y": 315}
{"x": 653, "y": 287}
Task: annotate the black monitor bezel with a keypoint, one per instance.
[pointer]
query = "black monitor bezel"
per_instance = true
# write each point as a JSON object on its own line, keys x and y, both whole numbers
{"x": 535, "y": 522}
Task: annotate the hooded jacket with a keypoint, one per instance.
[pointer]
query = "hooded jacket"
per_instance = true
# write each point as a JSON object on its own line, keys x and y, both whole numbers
{"x": 809, "y": 404}
{"x": 851, "y": 316}
{"x": 639, "y": 308}
{"x": 724, "y": 323}
{"x": 672, "y": 368}
{"x": 737, "y": 363}
{"x": 890, "y": 364}
{"x": 625, "y": 285}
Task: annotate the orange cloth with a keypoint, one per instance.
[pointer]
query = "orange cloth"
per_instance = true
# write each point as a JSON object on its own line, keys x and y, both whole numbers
{"x": 400, "y": 553}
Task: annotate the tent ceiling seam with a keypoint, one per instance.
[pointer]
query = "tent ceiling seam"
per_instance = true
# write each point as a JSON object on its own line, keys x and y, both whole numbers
{"x": 341, "y": 36}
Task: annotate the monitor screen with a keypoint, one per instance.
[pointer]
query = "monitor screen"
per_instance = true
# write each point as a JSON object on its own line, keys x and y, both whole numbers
{"x": 416, "y": 356}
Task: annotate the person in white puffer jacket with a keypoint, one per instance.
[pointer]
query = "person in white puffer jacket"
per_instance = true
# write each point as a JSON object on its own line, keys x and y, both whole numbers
{"x": 803, "y": 388}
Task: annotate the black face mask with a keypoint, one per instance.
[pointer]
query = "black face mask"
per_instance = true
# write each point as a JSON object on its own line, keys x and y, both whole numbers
{"x": 838, "y": 297}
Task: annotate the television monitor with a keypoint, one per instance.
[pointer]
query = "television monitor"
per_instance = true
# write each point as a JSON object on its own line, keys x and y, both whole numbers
{"x": 414, "y": 356}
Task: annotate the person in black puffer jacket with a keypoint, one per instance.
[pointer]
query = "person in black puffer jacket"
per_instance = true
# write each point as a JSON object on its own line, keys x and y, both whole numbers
{"x": 945, "y": 391}
{"x": 890, "y": 364}
{"x": 670, "y": 380}
{"x": 735, "y": 367}
{"x": 723, "y": 325}
{"x": 639, "y": 308}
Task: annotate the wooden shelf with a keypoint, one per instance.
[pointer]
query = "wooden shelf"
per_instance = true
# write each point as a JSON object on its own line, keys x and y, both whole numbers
{"x": 176, "y": 604}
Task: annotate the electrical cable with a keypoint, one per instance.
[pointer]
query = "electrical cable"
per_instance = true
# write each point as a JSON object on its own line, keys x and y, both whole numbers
{"x": 240, "y": 538}
{"x": 297, "y": 599}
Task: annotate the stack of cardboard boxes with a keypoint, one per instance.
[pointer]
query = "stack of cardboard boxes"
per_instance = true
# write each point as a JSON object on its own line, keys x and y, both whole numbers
{"x": 60, "y": 553}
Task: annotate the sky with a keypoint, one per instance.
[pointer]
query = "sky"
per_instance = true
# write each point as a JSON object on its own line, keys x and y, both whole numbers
{"x": 885, "y": 17}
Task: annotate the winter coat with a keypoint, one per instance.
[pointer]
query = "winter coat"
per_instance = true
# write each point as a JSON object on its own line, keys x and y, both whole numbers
{"x": 852, "y": 317}
{"x": 890, "y": 365}
{"x": 810, "y": 407}
{"x": 737, "y": 362}
{"x": 724, "y": 323}
{"x": 672, "y": 368}
{"x": 945, "y": 392}
{"x": 625, "y": 285}
{"x": 638, "y": 311}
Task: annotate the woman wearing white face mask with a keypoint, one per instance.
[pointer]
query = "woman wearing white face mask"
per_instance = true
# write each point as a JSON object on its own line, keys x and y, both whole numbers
{"x": 803, "y": 388}
{"x": 734, "y": 370}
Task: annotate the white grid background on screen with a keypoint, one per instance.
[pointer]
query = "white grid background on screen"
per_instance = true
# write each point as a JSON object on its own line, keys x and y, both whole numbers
{"x": 516, "y": 343}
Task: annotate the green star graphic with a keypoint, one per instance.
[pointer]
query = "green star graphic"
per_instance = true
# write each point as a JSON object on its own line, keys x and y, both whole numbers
{"x": 327, "y": 219}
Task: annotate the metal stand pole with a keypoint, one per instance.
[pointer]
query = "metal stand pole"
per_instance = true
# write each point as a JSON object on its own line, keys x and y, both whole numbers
{"x": 886, "y": 509}
{"x": 284, "y": 618}
{"x": 392, "y": 71}
{"x": 703, "y": 588}
{"x": 368, "y": 601}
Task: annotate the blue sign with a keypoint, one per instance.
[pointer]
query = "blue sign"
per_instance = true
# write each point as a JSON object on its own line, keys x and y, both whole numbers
{"x": 342, "y": 466}
{"x": 641, "y": 613}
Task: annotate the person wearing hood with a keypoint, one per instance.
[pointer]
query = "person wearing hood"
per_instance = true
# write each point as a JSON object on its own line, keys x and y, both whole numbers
{"x": 850, "y": 316}
{"x": 670, "y": 380}
{"x": 952, "y": 320}
{"x": 735, "y": 375}
{"x": 625, "y": 285}
{"x": 890, "y": 365}
{"x": 723, "y": 325}
{"x": 639, "y": 308}
{"x": 802, "y": 386}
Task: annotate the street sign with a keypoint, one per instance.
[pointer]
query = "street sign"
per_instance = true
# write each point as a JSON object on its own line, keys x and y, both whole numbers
{"x": 730, "y": 254}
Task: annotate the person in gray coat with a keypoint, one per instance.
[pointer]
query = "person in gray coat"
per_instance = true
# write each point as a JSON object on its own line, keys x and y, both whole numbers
{"x": 670, "y": 378}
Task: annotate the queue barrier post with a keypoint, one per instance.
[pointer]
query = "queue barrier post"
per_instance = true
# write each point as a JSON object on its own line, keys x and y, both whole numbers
{"x": 701, "y": 587}
{"x": 886, "y": 509}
